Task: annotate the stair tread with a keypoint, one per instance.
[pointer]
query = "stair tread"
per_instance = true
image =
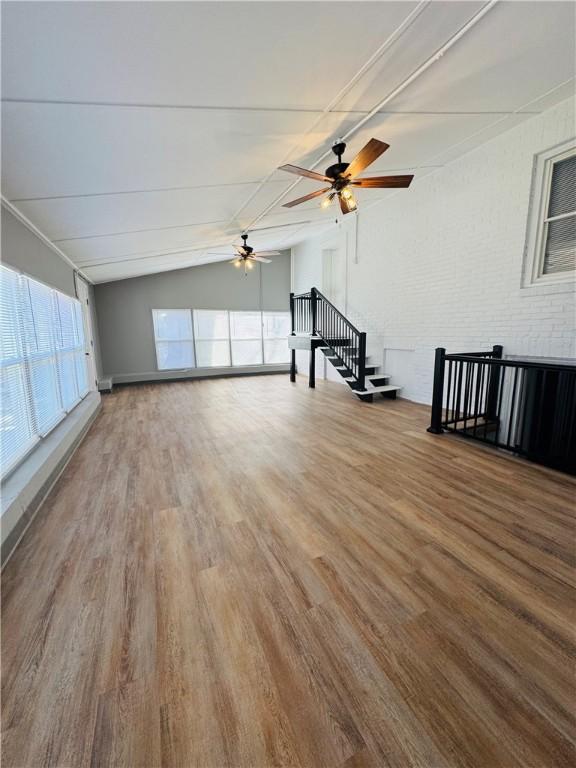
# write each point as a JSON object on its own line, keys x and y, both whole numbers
{"x": 381, "y": 388}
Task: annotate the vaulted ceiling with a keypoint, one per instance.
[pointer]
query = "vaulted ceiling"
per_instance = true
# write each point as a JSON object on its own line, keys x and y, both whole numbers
{"x": 142, "y": 136}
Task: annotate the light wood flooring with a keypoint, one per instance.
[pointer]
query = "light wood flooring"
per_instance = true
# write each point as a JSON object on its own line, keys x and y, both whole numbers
{"x": 246, "y": 573}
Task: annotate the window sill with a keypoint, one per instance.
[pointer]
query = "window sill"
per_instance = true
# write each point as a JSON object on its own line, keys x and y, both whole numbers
{"x": 549, "y": 287}
{"x": 24, "y": 490}
{"x": 197, "y": 373}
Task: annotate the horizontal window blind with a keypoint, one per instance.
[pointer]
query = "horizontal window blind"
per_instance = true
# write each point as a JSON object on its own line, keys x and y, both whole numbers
{"x": 42, "y": 360}
{"x": 213, "y": 338}
{"x": 560, "y": 222}
{"x": 174, "y": 339}
{"x": 17, "y": 434}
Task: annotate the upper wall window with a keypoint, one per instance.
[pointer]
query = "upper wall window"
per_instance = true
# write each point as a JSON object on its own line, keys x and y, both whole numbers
{"x": 551, "y": 242}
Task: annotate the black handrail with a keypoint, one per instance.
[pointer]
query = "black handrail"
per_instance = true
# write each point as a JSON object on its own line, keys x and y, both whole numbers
{"x": 523, "y": 406}
{"x": 314, "y": 314}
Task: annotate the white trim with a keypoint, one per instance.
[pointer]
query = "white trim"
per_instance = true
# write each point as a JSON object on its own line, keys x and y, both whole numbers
{"x": 40, "y": 235}
{"x": 198, "y": 373}
{"x": 537, "y": 220}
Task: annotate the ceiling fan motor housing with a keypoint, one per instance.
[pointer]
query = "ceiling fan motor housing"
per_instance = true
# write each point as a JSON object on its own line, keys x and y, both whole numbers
{"x": 338, "y": 169}
{"x": 248, "y": 249}
{"x": 336, "y": 172}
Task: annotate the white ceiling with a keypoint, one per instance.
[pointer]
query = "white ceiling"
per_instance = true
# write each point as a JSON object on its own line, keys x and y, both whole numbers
{"x": 141, "y": 136}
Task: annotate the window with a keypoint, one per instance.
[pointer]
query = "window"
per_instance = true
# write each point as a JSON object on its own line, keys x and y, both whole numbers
{"x": 559, "y": 239}
{"x": 174, "y": 338}
{"x": 42, "y": 359}
{"x": 246, "y": 336}
{"x": 212, "y": 331}
{"x": 218, "y": 338}
{"x": 551, "y": 252}
{"x": 276, "y": 330}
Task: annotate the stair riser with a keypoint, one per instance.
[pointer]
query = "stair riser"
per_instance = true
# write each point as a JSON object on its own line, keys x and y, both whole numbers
{"x": 379, "y": 381}
{"x": 346, "y": 372}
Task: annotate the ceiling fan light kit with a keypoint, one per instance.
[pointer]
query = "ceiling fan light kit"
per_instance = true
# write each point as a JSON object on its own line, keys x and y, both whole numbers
{"x": 246, "y": 256}
{"x": 342, "y": 176}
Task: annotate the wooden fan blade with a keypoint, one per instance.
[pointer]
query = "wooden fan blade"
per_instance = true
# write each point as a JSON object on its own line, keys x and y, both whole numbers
{"x": 343, "y": 206}
{"x": 267, "y": 253}
{"x": 299, "y": 200}
{"x": 240, "y": 250}
{"x": 303, "y": 172}
{"x": 383, "y": 182}
{"x": 259, "y": 258}
{"x": 366, "y": 157}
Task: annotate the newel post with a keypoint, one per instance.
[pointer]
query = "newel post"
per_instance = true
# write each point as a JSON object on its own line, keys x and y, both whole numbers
{"x": 292, "y": 333}
{"x": 312, "y": 372}
{"x": 438, "y": 392}
{"x": 494, "y": 384}
{"x": 362, "y": 361}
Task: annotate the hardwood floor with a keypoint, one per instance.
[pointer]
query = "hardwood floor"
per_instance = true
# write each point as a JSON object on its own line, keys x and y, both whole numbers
{"x": 248, "y": 573}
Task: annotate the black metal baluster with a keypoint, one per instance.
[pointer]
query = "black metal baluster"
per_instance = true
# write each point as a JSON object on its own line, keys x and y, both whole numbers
{"x": 449, "y": 383}
{"x": 466, "y": 395}
{"x": 458, "y": 393}
{"x": 499, "y": 397}
{"x": 478, "y": 395}
{"x": 512, "y": 408}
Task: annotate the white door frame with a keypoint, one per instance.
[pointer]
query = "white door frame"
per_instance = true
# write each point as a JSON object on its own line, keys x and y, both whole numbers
{"x": 83, "y": 294}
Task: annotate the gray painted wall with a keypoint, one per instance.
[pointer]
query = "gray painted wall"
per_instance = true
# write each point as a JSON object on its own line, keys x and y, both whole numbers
{"x": 22, "y": 250}
{"x": 124, "y": 308}
{"x": 25, "y": 252}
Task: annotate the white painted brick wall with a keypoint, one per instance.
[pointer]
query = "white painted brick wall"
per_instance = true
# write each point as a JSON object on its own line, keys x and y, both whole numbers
{"x": 441, "y": 264}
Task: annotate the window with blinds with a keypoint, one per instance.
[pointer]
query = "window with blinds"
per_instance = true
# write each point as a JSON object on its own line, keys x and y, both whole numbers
{"x": 216, "y": 338}
{"x": 174, "y": 339}
{"x": 559, "y": 241}
{"x": 42, "y": 360}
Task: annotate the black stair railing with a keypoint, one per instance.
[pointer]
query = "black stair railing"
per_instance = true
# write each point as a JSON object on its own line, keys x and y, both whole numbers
{"x": 313, "y": 313}
{"x": 522, "y": 406}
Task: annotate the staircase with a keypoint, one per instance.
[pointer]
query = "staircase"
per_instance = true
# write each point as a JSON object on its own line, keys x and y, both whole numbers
{"x": 318, "y": 324}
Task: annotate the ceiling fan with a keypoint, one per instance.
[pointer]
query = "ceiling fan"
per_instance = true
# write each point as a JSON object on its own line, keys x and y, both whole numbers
{"x": 246, "y": 255}
{"x": 342, "y": 177}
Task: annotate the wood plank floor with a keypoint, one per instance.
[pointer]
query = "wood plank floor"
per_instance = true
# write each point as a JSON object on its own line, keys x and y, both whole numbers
{"x": 247, "y": 573}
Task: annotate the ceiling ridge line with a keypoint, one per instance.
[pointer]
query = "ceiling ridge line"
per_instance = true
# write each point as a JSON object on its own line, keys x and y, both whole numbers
{"x": 137, "y": 231}
{"x": 15, "y": 200}
{"x": 390, "y": 40}
{"x": 472, "y": 21}
{"x": 214, "y": 108}
{"x": 17, "y": 213}
{"x": 132, "y": 191}
{"x": 152, "y": 254}
{"x": 143, "y": 105}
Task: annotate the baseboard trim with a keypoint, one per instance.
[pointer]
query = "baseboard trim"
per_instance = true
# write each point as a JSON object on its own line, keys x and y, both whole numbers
{"x": 206, "y": 373}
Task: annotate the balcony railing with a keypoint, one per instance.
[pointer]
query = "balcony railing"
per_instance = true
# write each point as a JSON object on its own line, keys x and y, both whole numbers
{"x": 522, "y": 406}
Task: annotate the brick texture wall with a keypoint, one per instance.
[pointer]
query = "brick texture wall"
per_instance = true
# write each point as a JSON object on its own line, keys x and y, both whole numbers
{"x": 441, "y": 263}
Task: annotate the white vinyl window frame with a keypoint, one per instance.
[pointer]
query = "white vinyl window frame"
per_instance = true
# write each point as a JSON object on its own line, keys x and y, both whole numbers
{"x": 190, "y": 340}
{"x": 539, "y": 220}
{"x": 229, "y": 338}
{"x": 234, "y": 338}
